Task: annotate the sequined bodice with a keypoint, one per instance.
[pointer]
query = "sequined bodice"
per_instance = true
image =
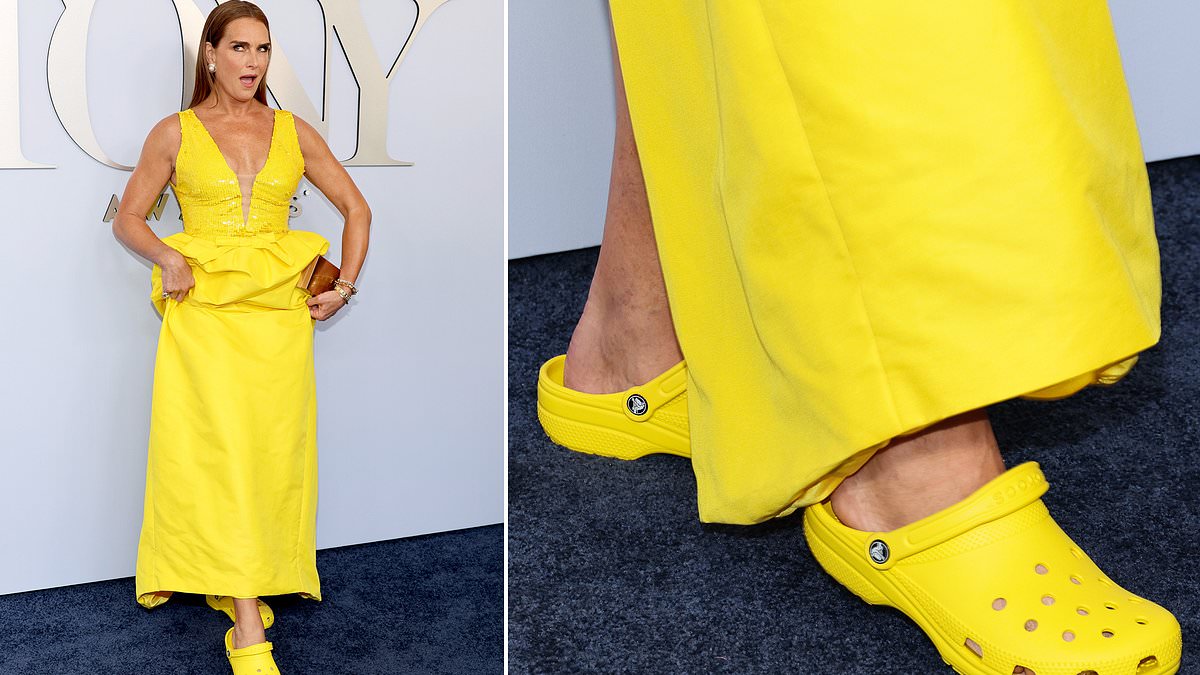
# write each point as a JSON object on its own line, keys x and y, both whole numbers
{"x": 208, "y": 190}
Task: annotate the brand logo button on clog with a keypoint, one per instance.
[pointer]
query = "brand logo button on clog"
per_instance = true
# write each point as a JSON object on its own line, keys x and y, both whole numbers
{"x": 879, "y": 552}
{"x": 636, "y": 404}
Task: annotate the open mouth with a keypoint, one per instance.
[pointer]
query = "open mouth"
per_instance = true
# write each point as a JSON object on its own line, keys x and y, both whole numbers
{"x": 248, "y": 80}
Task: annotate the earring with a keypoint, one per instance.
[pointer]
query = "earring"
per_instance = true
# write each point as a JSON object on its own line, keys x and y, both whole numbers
{"x": 212, "y": 67}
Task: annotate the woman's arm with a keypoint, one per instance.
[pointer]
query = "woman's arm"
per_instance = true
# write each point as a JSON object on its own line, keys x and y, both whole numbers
{"x": 151, "y": 174}
{"x": 328, "y": 175}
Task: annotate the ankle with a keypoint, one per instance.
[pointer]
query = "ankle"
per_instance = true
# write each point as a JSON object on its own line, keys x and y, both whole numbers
{"x": 244, "y": 637}
{"x": 919, "y": 475}
{"x": 615, "y": 347}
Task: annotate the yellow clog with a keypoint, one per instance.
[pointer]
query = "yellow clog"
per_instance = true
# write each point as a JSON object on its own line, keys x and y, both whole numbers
{"x": 996, "y": 584}
{"x": 646, "y": 419}
{"x": 224, "y": 603}
{"x": 254, "y": 659}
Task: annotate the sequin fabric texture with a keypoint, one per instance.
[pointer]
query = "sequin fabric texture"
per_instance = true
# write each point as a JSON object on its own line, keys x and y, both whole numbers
{"x": 208, "y": 191}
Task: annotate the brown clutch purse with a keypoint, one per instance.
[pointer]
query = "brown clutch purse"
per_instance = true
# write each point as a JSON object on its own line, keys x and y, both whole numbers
{"x": 318, "y": 276}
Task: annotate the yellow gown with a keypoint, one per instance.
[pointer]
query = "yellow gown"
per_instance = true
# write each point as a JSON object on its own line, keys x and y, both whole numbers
{"x": 231, "y": 478}
{"x": 872, "y": 216}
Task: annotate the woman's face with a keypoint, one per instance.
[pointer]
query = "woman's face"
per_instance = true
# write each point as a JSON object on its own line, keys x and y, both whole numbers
{"x": 241, "y": 58}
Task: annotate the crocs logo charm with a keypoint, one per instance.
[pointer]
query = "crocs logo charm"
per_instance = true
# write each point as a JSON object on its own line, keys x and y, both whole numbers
{"x": 879, "y": 552}
{"x": 637, "y": 404}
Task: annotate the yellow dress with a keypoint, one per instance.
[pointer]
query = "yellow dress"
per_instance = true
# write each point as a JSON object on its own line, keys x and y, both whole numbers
{"x": 231, "y": 478}
{"x": 876, "y": 215}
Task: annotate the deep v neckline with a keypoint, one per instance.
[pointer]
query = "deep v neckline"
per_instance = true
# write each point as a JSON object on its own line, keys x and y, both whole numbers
{"x": 237, "y": 179}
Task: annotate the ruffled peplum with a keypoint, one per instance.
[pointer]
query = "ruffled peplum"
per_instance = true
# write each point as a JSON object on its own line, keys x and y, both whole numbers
{"x": 256, "y": 272}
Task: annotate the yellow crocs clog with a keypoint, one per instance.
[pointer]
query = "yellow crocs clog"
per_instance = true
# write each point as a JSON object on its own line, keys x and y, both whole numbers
{"x": 250, "y": 660}
{"x": 224, "y": 603}
{"x": 996, "y": 584}
{"x": 640, "y": 421}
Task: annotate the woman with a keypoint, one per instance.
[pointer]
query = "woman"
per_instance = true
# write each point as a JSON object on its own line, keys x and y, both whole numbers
{"x": 869, "y": 224}
{"x": 231, "y": 486}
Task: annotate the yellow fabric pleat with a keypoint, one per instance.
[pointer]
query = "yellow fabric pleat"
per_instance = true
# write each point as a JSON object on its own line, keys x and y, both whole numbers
{"x": 873, "y": 216}
{"x": 231, "y": 478}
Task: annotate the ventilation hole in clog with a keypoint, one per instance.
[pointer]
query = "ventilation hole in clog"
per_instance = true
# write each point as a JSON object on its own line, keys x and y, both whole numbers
{"x": 1076, "y": 580}
{"x": 1135, "y": 600}
{"x": 1081, "y": 611}
{"x": 999, "y": 604}
{"x": 974, "y": 647}
{"x": 1146, "y": 665}
{"x": 1031, "y": 625}
{"x": 1068, "y": 636}
{"x": 1141, "y": 622}
{"x": 1105, "y": 582}
{"x": 1077, "y": 553}
{"x": 1040, "y": 569}
{"x": 1107, "y": 633}
{"x": 1022, "y": 670}
{"x": 1047, "y": 600}
{"x": 1088, "y": 672}
{"x": 1109, "y": 605}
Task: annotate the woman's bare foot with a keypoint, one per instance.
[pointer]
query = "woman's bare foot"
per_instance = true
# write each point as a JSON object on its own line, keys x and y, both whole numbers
{"x": 920, "y": 474}
{"x": 248, "y": 626}
{"x": 625, "y": 336}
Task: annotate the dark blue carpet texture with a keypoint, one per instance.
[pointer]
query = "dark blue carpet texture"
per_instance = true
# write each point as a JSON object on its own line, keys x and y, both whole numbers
{"x": 430, "y": 604}
{"x": 610, "y": 571}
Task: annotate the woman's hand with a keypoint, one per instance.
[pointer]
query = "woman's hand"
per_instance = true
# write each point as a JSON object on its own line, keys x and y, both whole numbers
{"x": 325, "y": 305}
{"x": 177, "y": 277}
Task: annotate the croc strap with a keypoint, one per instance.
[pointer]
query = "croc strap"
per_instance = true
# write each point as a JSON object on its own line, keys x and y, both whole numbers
{"x": 1007, "y": 493}
{"x": 641, "y": 401}
{"x": 250, "y": 650}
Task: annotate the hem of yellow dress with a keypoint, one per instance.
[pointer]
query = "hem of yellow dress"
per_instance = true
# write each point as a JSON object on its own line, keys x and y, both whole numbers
{"x": 152, "y": 599}
{"x": 832, "y": 476}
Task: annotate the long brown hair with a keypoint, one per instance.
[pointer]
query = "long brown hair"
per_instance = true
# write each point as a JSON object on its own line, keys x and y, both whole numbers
{"x": 214, "y": 30}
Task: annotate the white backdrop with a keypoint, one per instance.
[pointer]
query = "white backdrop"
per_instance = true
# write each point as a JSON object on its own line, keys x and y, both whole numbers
{"x": 561, "y": 108}
{"x": 409, "y": 377}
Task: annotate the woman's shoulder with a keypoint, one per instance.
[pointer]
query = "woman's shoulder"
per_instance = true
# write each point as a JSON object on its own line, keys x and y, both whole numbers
{"x": 296, "y": 119}
{"x": 305, "y": 133}
{"x": 168, "y": 131}
{"x": 172, "y": 121}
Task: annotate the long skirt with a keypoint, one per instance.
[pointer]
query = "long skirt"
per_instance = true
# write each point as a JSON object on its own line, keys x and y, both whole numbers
{"x": 873, "y": 216}
{"x": 231, "y": 478}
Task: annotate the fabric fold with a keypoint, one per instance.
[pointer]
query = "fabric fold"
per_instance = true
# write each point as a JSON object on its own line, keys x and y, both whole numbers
{"x": 245, "y": 273}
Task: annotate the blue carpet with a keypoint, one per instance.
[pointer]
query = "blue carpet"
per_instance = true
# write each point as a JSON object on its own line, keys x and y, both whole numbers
{"x": 428, "y": 604}
{"x": 610, "y": 570}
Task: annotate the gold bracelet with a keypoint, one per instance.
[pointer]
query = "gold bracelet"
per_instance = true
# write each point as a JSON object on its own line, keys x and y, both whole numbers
{"x": 344, "y": 294}
{"x": 347, "y": 284}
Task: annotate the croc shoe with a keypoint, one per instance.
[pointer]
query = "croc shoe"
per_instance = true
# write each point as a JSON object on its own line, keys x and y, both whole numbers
{"x": 995, "y": 584}
{"x": 642, "y": 420}
{"x": 224, "y": 603}
{"x": 251, "y": 660}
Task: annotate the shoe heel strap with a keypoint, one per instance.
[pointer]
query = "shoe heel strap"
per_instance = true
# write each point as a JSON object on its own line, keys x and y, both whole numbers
{"x": 641, "y": 401}
{"x": 251, "y": 650}
{"x": 1007, "y": 493}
